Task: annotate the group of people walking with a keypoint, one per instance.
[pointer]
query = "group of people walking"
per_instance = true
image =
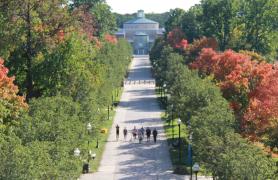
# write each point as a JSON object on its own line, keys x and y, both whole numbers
{"x": 138, "y": 133}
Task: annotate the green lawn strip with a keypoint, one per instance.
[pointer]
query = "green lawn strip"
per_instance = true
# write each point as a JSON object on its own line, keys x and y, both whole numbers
{"x": 174, "y": 150}
{"x": 102, "y": 138}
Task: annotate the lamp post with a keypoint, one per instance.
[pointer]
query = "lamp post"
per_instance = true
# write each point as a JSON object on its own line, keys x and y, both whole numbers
{"x": 93, "y": 155}
{"x": 190, "y": 154}
{"x": 108, "y": 112}
{"x": 160, "y": 88}
{"x": 179, "y": 124}
{"x": 86, "y": 166}
{"x": 190, "y": 161}
{"x": 76, "y": 152}
{"x": 164, "y": 87}
{"x": 196, "y": 169}
{"x": 99, "y": 113}
{"x": 112, "y": 98}
{"x": 172, "y": 114}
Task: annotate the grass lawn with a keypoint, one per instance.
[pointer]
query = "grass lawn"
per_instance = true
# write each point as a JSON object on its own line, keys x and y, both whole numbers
{"x": 172, "y": 134}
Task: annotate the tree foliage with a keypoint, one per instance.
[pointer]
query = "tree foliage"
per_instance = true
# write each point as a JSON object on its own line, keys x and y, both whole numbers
{"x": 11, "y": 105}
{"x": 176, "y": 39}
{"x": 31, "y": 27}
{"x": 216, "y": 146}
{"x": 250, "y": 86}
{"x": 64, "y": 55}
{"x": 174, "y": 19}
{"x": 240, "y": 25}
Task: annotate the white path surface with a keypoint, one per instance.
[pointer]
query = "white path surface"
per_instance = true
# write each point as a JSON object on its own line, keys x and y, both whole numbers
{"x": 129, "y": 160}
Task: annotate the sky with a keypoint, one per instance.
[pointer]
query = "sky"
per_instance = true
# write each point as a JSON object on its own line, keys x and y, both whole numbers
{"x": 149, "y": 6}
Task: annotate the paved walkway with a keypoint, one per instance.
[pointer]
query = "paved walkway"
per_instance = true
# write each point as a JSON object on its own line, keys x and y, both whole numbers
{"x": 129, "y": 160}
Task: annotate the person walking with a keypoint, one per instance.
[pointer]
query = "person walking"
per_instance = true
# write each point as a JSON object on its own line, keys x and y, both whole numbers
{"x": 142, "y": 131}
{"x": 134, "y": 132}
{"x": 140, "y": 136}
{"x": 154, "y": 135}
{"x": 125, "y": 133}
{"x": 148, "y": 133}
{"x": 117, "y": 132}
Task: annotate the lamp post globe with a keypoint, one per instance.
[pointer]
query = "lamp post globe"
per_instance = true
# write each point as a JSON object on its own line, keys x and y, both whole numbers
{"x": 89, "y": 127}
{"x": 196, "y": 169}
{"x": 94, "y": 155}
{"x": 179, "y": 121}
{"x": 76, "y": 152}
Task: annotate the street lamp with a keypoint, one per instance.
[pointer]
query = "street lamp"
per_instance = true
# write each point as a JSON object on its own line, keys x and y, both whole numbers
{"x": 76, "y": 152}
{"x": 160, "y": 88}
{"x": 99, "y": 113}
{"x": 164, "y": 87}
{"x": 179, "y": 124}
{"x": 172, "y": 113}
{"x": 190, "y": 154}
{"x": 108, "y": 114}
{"x": 94, "y": 155}
{"x": 196, "y": 169}
{"x": 86, "y": 166}
{"x": 89, "y": 128}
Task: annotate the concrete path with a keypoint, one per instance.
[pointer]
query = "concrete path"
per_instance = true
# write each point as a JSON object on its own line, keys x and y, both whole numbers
{"x": 129, "y": 160}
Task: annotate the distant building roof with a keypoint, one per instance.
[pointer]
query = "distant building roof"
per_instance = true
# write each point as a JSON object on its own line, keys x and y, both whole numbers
{"x": 140, "y": 19}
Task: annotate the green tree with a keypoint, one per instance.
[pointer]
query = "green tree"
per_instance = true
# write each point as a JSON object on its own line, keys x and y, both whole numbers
{"x": 216, "y": 146}
{"x": 31, "y": 28}
{"x": 88, "y": 3}
{"x": 104, "y": 19}
{"x": 216, "y": 19}
{"x": 258, "y": 19}
{"x": 70, "y": 70}
{"x": 54, "y": 128}
{"x": 192, "y": 24}
{"x": 174, "y": 20}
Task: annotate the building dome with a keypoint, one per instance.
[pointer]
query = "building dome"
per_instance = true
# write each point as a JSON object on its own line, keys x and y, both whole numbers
{"x": 140, "y": 19}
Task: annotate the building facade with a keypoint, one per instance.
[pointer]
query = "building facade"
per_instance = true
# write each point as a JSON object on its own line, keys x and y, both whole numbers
{"x": 140, "y": 33}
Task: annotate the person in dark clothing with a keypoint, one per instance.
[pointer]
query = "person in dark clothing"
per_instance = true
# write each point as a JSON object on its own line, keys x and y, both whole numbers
{"x": 117, "y": 132}
{"x": 154, "y": 135}
{"x": 148, "y": 133}
{"x": 125, "y": 133}
{"x": 142, "y": 131}
{"x": 134, "y": 133}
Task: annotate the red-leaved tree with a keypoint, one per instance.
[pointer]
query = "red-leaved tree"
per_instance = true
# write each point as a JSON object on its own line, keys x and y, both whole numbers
{"x": 250, "y": 86}
{"x": 176, "y": 39}
{"x": 110, "y": 38}
{"x": 11, "y": 104}
{"x": 193, "y": 50}
{"x": 263, "y": 100}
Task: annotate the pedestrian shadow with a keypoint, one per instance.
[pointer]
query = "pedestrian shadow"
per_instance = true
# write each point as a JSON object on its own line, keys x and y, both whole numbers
{"x": 146, "y": 104}
{"x": 149, "y": 160}
{"x": 143, "y": 121}
{"x": 142, "y": 72}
